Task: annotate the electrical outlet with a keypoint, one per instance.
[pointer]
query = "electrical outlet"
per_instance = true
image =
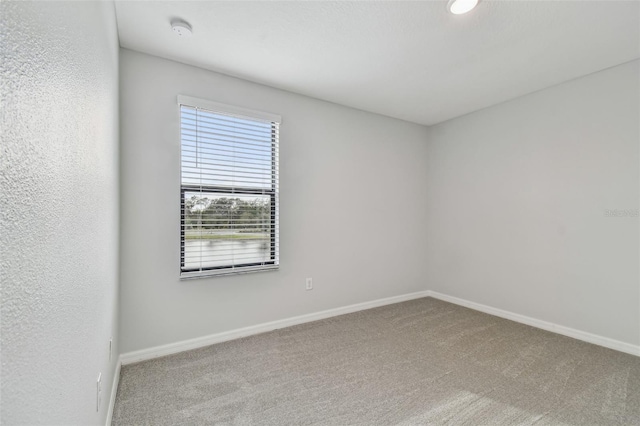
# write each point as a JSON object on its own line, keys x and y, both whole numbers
{"x": 309, "y": 284}
{"x": 98, "y": 391}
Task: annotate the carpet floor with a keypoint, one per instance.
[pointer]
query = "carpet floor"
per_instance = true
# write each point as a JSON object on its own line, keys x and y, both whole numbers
{"x": 419, "y": 362}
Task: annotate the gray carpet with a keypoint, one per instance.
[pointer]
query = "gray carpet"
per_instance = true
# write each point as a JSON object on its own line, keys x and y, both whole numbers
{"x": 419, "y": 362}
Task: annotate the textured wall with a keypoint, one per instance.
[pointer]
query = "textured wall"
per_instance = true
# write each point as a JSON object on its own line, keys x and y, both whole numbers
{"x": 59, "y": 209}
{"x": 518, "y": 196}
{"x": 351, "y": 208}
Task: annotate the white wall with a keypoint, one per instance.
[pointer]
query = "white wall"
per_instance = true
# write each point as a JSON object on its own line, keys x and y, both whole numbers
{"x": 351, "y": 208}
{"x": 59, "y": 210}
{"x": 517, "y": 195}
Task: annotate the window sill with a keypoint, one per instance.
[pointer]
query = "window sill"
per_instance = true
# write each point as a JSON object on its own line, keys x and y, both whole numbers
{"x": 186, "y": 276}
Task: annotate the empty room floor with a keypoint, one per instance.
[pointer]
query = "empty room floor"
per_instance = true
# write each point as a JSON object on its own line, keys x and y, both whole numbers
{"x": 423, "y": 361}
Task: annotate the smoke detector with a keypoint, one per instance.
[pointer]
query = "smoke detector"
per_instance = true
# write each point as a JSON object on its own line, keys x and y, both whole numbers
{"x": 180, "y": 27}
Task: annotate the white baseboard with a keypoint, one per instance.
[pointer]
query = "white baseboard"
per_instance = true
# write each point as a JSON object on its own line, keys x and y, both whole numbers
{"x": 199, "y": 342}
{"x": 555, "y": 328}
{"x": 114, "y": 391}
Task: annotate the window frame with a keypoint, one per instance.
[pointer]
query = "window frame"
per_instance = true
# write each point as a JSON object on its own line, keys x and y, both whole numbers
{"x": 272, "y": 193}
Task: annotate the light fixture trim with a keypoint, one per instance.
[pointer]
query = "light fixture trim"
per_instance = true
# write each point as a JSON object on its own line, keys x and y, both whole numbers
{"x": 180, "y": 27}
{"x": 459, "y": 7}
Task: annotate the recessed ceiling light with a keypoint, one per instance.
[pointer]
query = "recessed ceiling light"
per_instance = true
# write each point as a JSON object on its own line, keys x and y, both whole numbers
{"x": 180, "y": 27}
{"x": 458, "y": 7}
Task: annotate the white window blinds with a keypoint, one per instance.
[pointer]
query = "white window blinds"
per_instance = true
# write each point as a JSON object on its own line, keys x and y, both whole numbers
{"x": 229, "y": 189}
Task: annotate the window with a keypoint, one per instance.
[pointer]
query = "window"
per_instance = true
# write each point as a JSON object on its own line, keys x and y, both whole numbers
{"x": 228, "y": 190}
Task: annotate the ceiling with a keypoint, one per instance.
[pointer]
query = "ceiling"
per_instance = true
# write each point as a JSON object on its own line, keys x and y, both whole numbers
{"x": 409, "y": 60}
